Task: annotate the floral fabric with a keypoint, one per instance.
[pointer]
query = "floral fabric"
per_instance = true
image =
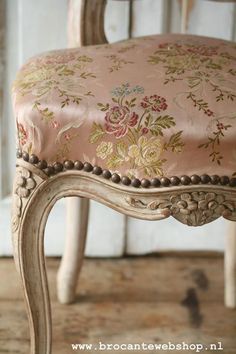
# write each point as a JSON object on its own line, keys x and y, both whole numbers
{"x": 154, "y": 106}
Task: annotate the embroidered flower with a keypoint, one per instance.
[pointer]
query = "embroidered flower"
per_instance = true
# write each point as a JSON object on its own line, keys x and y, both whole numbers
{"x": 118, "y": 119}
{"x": 163, "y": 45}
{"x": 147, "y": 151}
{"x": 104, "y": 149}
{"x": 209, "y": 113}
{"x": 67, "y": 136}
{"x": 36, "y": 77}
{"x": 126, "y": 90}
{"x": 221, "y": 126}
{"x": 58, "y": 57}
{"x": 145, "y": 130}
{"x": 155, "y": 103}
{"x": 202, "y": 50}
{"x": 22, "y": 134}
{"x": 141, "y": 136}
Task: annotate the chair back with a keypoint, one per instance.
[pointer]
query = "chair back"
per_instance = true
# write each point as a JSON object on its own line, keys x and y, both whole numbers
{"x": 86, "y": 20}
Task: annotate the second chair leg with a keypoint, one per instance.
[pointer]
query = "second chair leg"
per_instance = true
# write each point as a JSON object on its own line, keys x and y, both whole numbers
{"x": 230, "y": 266}
{"x": 76, "y": 232}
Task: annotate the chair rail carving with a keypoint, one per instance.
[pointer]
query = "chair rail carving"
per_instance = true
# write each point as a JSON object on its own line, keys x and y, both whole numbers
{"x": 192, "y": 205}
{"x": 194, "y": 208}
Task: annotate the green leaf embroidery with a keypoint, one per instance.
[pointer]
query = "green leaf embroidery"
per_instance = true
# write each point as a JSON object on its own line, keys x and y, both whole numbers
{"x": 175, "y": 143}
{"x": 96, "y": 134}
{"x": 103, "y": 107}
{"x": 121, "y": 149}
{"x": 45, "y": 113}
{"x": 156, "y": 125}
{"x": 213, "y": 143}
{"x": 156, "y": 169}
{"x": 114, "y": 161}
{"x": 64, "y": 71}
{"x": 86, "y": 75}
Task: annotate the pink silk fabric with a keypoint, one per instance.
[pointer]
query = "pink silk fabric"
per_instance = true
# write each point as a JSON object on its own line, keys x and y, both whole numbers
{"x": 160, "y": 105}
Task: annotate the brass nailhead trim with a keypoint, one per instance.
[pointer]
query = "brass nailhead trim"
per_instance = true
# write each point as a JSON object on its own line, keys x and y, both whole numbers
{"x": 42, "y": 164}
{"x": 195, "y": 179}
{"x": 79, "y": 165}
{"x": 174, "y": 180}
{"x": 33, "y": 159}
{"x": 58, "y": 167}
{"x": 106, "y": 174}
{"x": 205, "y": 179}
{"x": 135, "y": 182}
{"x": 88, "y": 167}
{"x": 97, "y": 170}
{"x": 224, "y": 180}
{"x": 115, "y": 178}
{"x": 155, "y": 182}
{"x": 145, "y": 183}
{"x": 165, "y": 182}
{"x": 125, "y": 180}
{"x": 185, "y": 180}
{"x": 69, "y": 165}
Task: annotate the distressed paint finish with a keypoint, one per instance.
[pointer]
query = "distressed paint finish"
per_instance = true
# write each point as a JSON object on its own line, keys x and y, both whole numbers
{"x": 34, "y": 195}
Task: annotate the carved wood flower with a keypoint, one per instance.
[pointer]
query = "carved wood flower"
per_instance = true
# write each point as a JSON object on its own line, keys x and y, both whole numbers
{"x": 193, "y": 209}
{"x": 200, "y": 207}
{"x": 24, "y": 183}
{"x": 183, "y": 204}
{"x": 188, "y": 202}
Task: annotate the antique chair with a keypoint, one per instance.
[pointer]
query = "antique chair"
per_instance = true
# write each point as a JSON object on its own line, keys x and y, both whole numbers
{"x": 145, "y": 126}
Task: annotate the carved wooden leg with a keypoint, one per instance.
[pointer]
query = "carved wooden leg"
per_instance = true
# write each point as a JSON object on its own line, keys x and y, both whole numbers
{"x": 28, "y": 222}
{"x": 230, "y": 266}
{"x": 77, "y": 221}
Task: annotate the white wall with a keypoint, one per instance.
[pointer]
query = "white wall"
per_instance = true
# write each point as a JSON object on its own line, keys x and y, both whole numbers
{"x": 34, "y": 26}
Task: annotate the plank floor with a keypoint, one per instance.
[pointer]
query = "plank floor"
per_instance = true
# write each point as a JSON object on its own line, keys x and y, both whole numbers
{"x": 132, "y": 300}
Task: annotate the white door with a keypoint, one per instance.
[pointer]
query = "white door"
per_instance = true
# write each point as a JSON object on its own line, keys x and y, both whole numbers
{"x": 35, "y": 26}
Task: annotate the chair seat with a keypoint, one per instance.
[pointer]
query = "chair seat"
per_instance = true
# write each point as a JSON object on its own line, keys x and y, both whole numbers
{"x": 162, "y": 105}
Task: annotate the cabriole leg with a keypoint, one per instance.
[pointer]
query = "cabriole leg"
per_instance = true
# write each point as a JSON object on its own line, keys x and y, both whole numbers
{"x": 230, "y": 266}
{"x": 28, "y": 222}
{"x": 76, "y": 223}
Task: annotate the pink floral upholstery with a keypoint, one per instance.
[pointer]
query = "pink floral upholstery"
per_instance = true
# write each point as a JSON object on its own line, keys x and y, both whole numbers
{"x": 153, "y": 106}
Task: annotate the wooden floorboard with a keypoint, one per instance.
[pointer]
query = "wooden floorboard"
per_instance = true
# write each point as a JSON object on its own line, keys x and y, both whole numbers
{"x": 131, "y": 300}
